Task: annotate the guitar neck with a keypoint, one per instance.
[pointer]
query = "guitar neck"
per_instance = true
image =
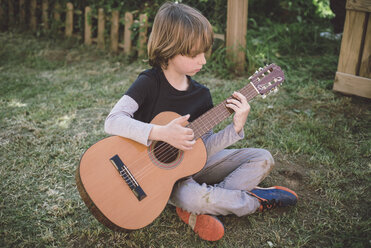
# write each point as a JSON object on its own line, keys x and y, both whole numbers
{"x": 214, "y": 116}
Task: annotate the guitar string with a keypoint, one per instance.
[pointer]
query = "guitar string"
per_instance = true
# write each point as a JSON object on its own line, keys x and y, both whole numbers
{"x": 237, "y": 158}
{"x": 208, "y": 125}
{"x": 163, "y": 156}
{"x": 168, "y": 154}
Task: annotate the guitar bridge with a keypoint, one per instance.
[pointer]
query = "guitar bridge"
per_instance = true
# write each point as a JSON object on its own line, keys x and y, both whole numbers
{"x": 128, "y": 177}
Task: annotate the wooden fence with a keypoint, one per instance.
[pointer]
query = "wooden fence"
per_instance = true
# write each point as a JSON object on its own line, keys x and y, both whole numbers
{"x": 122, "y": 40}
{"x": 117, "y": 42}
{"x": 353, "y": 75}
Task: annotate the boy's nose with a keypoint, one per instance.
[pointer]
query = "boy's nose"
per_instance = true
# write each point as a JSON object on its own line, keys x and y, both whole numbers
{"x": 202, "y": 59}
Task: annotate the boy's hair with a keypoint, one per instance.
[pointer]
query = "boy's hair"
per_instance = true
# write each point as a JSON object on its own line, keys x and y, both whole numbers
{"x": 178, "y": 29}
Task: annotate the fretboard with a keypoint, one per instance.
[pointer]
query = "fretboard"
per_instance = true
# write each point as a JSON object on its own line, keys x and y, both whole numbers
{"x": 220, "y": 112}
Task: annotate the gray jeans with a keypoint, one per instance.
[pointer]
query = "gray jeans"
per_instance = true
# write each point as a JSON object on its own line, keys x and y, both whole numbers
{"x": 220, "y": 187}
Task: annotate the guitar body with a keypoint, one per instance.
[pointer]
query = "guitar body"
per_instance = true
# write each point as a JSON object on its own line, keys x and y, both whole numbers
{"x": 112, "y": 198}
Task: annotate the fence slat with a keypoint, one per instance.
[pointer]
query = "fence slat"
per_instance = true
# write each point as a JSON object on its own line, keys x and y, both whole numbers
{"x": 33, "y": 20}
{"x": 2, "y": 15}
{"x": 352, "y": 84}
{"x": 45, "y": 19}
{"x": 351, "y": 44}
{"x": 69, "y": 20}
{"x": 88, "y": 25}
{"x": 359, "y": 5}
{"x": 10, "y": 13}
{"x": 236, "y": 32}
{"x": 101, "y": 27}
{"x": 57, "y": 12}
{"x": 142, "y": 41}
{"x": 365, "y": 67}
{"x": 127, "y": 33}
{"x": 22, "y": 12}
{"x": 114, "y": 31}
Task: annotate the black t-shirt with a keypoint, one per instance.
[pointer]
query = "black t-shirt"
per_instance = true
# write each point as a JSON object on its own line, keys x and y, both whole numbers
{"x": 154, "y": 94}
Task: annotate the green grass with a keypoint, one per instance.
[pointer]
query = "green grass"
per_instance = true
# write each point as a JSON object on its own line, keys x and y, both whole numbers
{"x": 56, "y": 95}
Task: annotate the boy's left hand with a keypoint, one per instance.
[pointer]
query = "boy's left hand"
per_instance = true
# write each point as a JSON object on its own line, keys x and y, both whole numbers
{"x": 241, "y": 108}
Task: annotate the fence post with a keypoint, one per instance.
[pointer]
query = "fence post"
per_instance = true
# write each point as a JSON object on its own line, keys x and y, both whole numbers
{"x": 56, "y": 12}
{"x": 365, "y": 63}
{"x": 69, "y": 20}
{"x": 101, "y": 27}
{"x": 236, "y": 32}
{"x": 143, "y": 24}
{"x": 33, "y": 20}
{"x": 127, "y": 33}
{"x": 2, "y": 14}
{"x": 22, "y": 12}
{"x": 87, "y": 31}
{"x": 10, "y": 13}
{"x": 114, "y": 31}
{"x": 45, "y": 18}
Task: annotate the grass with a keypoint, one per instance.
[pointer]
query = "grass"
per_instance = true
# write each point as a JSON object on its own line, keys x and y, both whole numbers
{"x": 54, "y": 99}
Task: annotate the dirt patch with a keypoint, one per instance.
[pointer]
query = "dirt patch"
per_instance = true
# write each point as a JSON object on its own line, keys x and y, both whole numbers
{"x": 293, "y": 178}
{"x": 294, "y": 173}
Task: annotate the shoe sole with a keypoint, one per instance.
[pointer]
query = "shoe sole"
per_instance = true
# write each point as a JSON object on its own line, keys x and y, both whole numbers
{"x": 282, "y": 188}
{"x": 206, "y": 226}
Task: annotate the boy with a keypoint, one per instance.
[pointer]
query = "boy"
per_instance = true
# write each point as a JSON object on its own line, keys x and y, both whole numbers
{"x": 228, "y": 182}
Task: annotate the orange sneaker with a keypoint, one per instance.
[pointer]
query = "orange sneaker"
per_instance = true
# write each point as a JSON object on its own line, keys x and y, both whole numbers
{"x": 206, "y": 226}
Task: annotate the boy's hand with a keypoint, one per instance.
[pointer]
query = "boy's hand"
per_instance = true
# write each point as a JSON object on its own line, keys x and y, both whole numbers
{"x": 241, "y": 108}
{"x": 175, "y": 134}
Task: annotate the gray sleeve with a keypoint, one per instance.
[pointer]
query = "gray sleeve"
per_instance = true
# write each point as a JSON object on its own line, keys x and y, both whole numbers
{"x": 215, "y": 142}
{"x": 120, "y": 122}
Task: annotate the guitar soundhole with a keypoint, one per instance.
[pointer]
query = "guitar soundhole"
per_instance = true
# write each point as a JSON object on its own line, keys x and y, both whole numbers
{"x": 165, "y": 155}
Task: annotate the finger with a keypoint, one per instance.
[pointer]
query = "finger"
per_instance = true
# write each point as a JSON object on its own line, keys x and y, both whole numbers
{"x": 188, "y": 131}
{"x": 189, "y": 144}
{"x": 190, "y": 137}
{"x": 239, "y": 96}
{"x": 184, "y": 121}
{"x": 186, "y": 147}
{"x": 234, "y": 101}
{"x": 232, "y": 106}
{"x": 186, "y": 117}
{"x": 181, "y": 119}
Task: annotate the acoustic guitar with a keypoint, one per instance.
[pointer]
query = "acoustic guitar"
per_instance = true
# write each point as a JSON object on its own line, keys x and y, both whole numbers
{"x": 126, "y": 185}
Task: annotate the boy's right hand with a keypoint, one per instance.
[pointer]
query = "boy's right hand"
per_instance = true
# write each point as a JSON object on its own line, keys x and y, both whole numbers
{"x": 175, "y": 134}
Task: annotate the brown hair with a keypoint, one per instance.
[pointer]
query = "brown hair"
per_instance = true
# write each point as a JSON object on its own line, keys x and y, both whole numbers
{"x": 178, "y": 29}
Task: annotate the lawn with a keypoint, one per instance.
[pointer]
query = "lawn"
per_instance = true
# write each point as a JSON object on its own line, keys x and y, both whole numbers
{"x": 55, "y": 95}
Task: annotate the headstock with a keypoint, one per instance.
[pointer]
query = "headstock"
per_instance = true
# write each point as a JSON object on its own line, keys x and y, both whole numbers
{"x": 267, "y": 79}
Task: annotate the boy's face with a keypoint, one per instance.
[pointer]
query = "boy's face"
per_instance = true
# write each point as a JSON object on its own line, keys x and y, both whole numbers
{"x": 187, "y": 65}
